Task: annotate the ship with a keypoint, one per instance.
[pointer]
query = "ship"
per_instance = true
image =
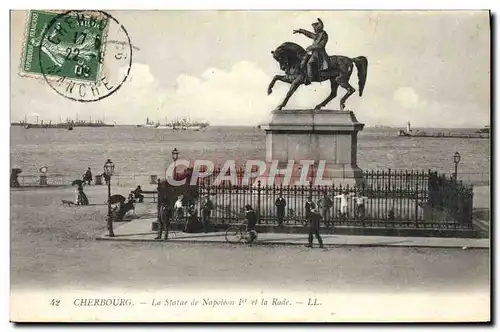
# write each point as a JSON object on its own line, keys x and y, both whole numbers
{"x": 486, "y": 129}
{"x": 482, "y": 133}
{"x": 179, "y": 124}
{"x": 69, "y": 124}
{"x": 150, "y": 124}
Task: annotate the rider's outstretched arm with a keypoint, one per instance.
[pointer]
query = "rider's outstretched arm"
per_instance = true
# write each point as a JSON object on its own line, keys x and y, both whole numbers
{"x": 306, "y": 33}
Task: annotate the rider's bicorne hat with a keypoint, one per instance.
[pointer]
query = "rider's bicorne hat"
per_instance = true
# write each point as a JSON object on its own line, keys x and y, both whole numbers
{"x": 320, "y": 23}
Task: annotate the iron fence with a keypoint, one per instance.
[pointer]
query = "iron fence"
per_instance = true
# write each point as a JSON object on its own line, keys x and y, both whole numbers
{"x": 450, "y": 199}
{"x": 391, "y": 199}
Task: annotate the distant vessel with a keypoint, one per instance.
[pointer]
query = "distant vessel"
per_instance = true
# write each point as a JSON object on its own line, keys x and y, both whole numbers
{"x": 150, "y": 124}
{"x": 486, "y": 129}
{"x": 66, "y": 125}
{"x": 61, "y": 125}
{"x": 182, "y": 124}
{"x": 482, "y": 133}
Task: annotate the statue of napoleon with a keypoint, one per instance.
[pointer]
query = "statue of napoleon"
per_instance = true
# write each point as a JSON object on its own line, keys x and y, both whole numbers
{"x": 314, "y": 65}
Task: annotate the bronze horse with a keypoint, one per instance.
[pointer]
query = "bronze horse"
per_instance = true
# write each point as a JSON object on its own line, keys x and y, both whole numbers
{"x": 289, "y": 56}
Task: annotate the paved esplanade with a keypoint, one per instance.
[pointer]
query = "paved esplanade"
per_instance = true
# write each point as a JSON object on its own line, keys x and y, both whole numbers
{"x": 55, "y": 246}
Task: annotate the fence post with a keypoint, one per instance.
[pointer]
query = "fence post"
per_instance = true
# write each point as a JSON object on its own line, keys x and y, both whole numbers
{"x": 258, "y": 201}
{"x": 389, "y": 179}
{"x": 416, "y": 205}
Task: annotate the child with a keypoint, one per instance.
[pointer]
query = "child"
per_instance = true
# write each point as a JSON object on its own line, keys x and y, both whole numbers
{"x": 178, "y": 208}
{"x": 344, "y": 203}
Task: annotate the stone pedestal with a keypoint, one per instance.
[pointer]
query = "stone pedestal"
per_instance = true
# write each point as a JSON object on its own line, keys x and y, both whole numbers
{"x": 328, "y": 135}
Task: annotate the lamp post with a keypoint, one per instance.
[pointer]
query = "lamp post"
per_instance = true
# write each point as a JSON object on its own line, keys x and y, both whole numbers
{"x": 456, "y": 159}
{"x": 175, "y": 156}
{"x": 109, "y": 169}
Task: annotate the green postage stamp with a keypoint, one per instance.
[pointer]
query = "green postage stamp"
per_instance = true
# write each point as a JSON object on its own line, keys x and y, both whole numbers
{"x": 59, "y": 44}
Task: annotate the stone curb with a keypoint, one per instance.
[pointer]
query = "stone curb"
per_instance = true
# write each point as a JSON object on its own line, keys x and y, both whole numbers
{"x": 105, "y": 238}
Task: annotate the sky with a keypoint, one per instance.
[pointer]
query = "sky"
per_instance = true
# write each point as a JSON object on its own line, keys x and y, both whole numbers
{"x": 429, "y": 68}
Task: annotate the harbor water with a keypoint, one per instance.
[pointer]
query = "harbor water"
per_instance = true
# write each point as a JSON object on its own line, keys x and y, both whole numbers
{"x": 144, "y": 151}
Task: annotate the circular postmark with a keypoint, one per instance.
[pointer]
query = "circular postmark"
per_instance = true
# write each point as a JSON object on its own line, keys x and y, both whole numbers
{"x": 85, "y": 55}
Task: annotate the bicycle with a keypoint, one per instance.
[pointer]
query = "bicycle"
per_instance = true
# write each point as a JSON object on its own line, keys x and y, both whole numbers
{"x": 237, "y": 234}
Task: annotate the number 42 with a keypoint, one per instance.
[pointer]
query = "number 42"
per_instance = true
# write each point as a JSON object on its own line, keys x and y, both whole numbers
{"x": 55, "y": 302}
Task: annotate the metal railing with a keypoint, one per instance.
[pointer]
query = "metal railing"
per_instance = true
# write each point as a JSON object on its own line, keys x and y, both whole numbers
{"x": 390, "y": 199}
{"x": 450, "y": 199}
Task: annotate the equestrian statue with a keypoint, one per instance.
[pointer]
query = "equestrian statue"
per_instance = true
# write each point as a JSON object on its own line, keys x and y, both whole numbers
{"x": 314, "y": 65}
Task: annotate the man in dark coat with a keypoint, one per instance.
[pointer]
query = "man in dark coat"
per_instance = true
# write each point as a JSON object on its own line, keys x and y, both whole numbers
{"x": 87, "y": 177}
{"x": 280, "y": 206}
{"x": 251, "y": 222}
{"x": 316, "y": 56}
{"x": 314, "y": 222}
{"x": 138, "y": 194}
{"x": 164, "y": 218}
{"x": 206, "y": 212}
{"x": 309, "y": 206}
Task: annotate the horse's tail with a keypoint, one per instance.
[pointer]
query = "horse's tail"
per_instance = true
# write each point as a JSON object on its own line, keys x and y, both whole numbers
{"x": 361, "y": 63}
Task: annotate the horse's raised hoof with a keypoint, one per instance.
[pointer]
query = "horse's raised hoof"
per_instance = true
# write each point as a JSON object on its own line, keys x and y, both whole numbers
{"x": 269, "y": 91}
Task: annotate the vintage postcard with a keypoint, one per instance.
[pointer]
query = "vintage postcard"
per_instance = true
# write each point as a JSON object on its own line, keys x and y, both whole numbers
{"x": 250, "y": 166}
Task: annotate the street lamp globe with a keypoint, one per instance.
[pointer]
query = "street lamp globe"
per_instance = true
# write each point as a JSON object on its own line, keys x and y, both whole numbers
{"x": 175, "y": 154}
{"x": 456, "y": 157}
{"x": 109, "y": 167}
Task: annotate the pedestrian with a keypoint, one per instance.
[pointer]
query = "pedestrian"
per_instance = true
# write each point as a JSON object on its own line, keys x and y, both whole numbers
{"x": 360, "y": 205}
{"x": 251, "y": 222}
{"x": 325, "y": 204}
{"x": 192, "y": 221}
{"x": 87, "y": 177}
{"x": 14, "y": 177}
{"x": 138, "y": 194}
{"x": 81, "y": 198}
{"x": 309, "y": 207}
{"x": 280, "y": 207}
{"x": 206, "y": 211}
{"x": 344, "y": 203}
{"x": 164, "y": 221}
{"x": 179, "y": 210}
{"x": 314, "y": 224}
